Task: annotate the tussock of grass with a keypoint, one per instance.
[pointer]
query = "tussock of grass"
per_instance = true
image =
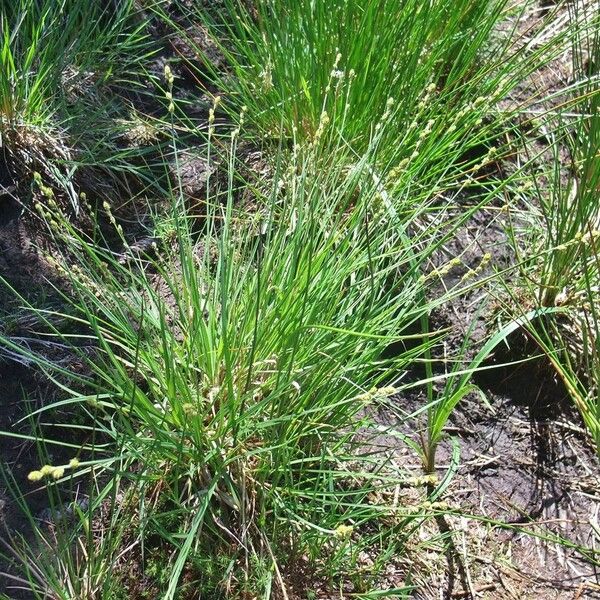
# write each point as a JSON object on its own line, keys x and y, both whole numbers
{"x": 560, "y": 268}
{"x": 247, "y": 370}
{"x": 59, "y": 62}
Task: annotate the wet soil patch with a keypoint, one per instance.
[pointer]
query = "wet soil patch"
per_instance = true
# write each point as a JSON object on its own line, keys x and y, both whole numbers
{"x": 536, "y": 473}
{"x": 523, "y": 502}
{"x": 525, "y": 498}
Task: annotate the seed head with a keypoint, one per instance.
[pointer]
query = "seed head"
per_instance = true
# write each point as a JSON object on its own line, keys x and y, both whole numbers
{"x": 58, "y": 472}
{"x": 169, "y": 78}
{"x": 35, "y": 476}
{"x": 343, "y": 532}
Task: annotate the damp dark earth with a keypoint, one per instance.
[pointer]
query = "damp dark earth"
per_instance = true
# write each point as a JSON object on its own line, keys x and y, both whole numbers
{"x": 299, "y": 300}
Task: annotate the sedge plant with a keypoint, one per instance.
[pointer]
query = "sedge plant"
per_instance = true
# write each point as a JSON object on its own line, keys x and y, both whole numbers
{"x": 560, "y": 270}
{"x": 232, "y": 382}
{"x": 227, "y": 376}
{"x": 444, "y": 65}
{"x": 54, "y": 51}
{"x": 59, "y": 61}
{"x": 290, "y": 60}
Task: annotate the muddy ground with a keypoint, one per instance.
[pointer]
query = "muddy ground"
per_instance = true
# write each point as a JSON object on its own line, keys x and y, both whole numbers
{"x": 527, "y": 473}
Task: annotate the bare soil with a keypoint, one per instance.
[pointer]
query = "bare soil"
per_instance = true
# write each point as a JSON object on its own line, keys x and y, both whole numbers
{"x": 525, "y": 497}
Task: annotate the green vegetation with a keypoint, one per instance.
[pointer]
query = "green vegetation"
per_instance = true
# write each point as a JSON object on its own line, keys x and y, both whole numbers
{"x": 562, "y": 203}
{"x": 218, "y": 357}
{"x": 53, "y": 52}
{"x": 63, "y": 65}
{"x": 295, "y": 61}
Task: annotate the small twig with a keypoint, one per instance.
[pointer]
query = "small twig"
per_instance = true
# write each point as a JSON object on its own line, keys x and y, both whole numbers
{"x": 7, "y": 190}
{"x": 277, "y": 571}
{"x": 476, "y": 590}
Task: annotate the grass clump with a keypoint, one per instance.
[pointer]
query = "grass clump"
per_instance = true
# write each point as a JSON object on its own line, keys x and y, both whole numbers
{"x": 295, "y": 62}
{"x": 322, "y": 71}
{"x": 60, "y": 63}
{"x": 41, "y": 71}
{"x": 235, "y": 385}
{"x": 562, "y": 217}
